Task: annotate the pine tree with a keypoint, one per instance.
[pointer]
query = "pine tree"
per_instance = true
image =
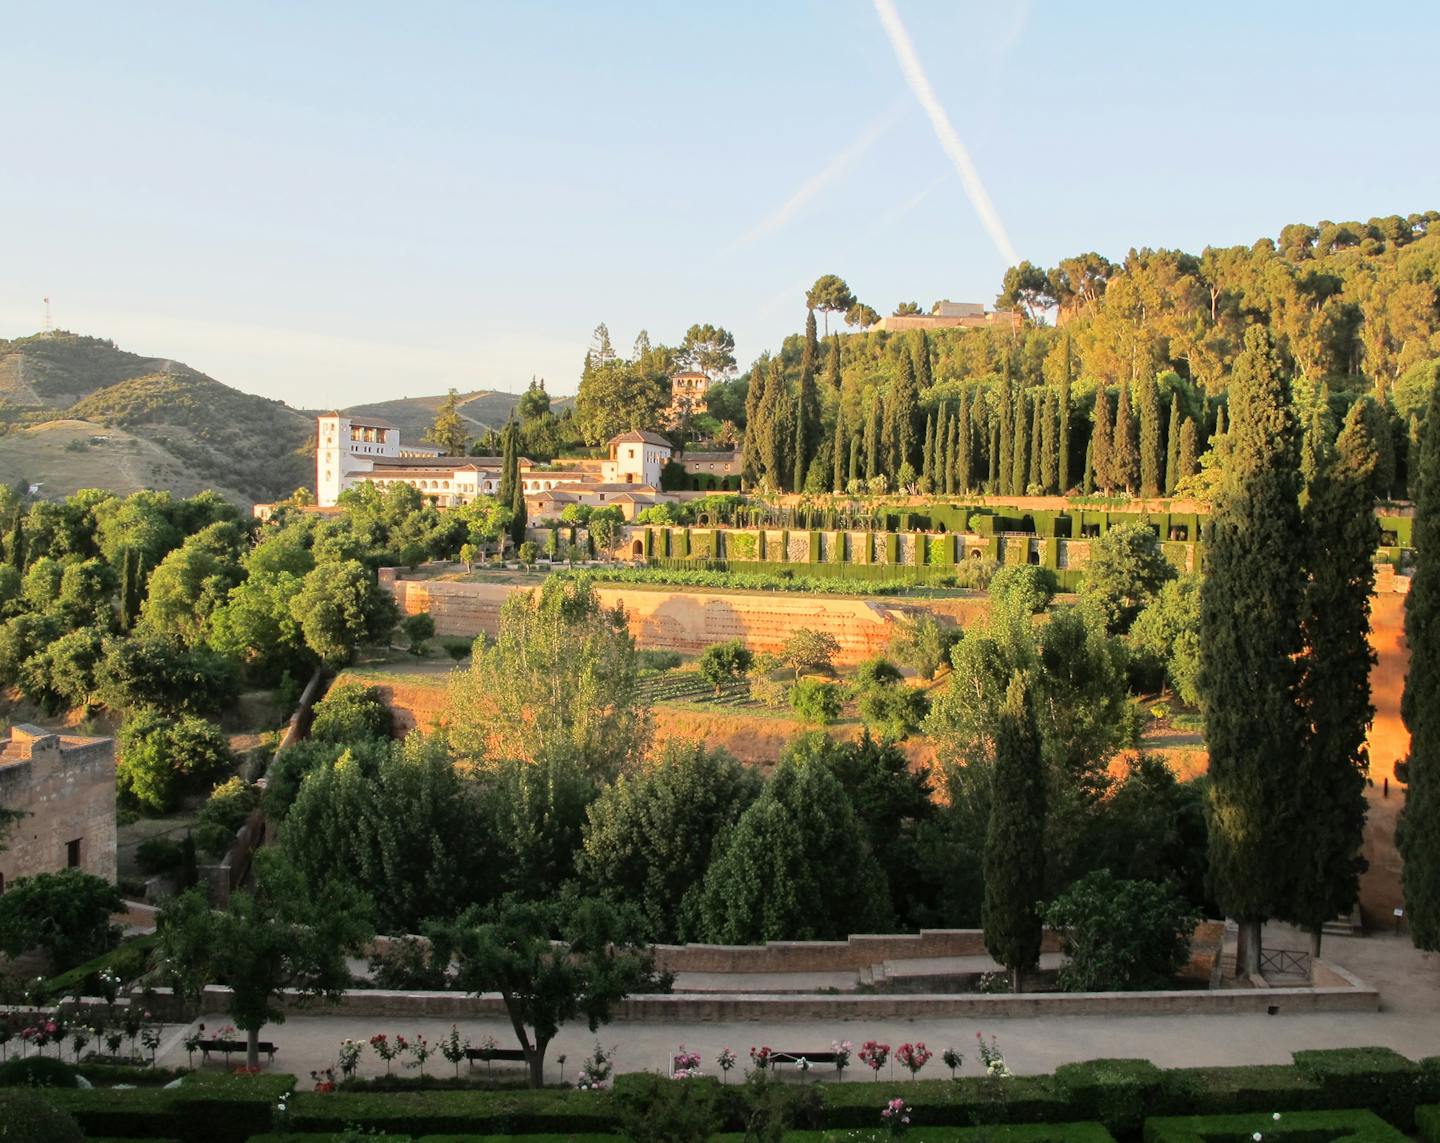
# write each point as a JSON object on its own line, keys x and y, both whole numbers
{"x": 1033, "y": 470}
{"x": 1124, "y": 455}
{"x": 927, "y": 455}
{"x": 873, "y": 442}
{"x": 1249, "y": 670}
{"x": 1188, "y": 458}
{"x": 1098, "y": 464}
{"x": 1007, "y": 439}
{"x": 1020, "y": 452}
{"x": 1342, "y": 535}
{"x": 1419, "y": 834}
{"x": 1172, "y": 447}
{"x": 448, "y": 428}
{"x": 1062, "y": 432}
{"x": 1014, "y": 861}
{"x": 1152, "y": 448}
{"x": 1049, "y": 461}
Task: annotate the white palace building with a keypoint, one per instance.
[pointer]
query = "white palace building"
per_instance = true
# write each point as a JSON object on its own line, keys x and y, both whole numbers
{"x": 353, "y": 449}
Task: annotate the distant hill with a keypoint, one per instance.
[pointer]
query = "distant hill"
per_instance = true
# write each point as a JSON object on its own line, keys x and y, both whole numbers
{"x": 83, "y": 413}
{"x": 484, "y": 409}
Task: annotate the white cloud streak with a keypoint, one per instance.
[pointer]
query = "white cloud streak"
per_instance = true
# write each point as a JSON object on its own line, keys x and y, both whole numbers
{"x": 817, "y": 182}
{"x": 944, "y": 131}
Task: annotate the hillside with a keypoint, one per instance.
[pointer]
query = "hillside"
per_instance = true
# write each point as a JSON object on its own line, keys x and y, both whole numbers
{"x": 484, "y": 409}
{"x": 88, "y": 414}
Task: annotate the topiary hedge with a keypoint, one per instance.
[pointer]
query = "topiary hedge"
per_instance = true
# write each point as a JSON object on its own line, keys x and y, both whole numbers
{"x": 1118, "y": 1093}
{"x": 1284, "y": 1127}
{"x": 1378, "y": 1078}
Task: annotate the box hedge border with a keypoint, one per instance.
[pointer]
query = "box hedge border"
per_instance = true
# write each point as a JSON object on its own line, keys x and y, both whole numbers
{"x": 1295, "y": 1127}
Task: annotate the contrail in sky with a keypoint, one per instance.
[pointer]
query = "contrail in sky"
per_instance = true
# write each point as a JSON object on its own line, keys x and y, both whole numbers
{"x": 818, "y": 182}
{"x": 944, "y": 130}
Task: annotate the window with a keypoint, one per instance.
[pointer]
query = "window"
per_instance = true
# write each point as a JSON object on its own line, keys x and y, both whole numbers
{"x": 72, "y": 854}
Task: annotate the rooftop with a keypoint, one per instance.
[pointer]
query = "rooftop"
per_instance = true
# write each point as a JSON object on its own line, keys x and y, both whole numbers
{"x": 640, "y": 436}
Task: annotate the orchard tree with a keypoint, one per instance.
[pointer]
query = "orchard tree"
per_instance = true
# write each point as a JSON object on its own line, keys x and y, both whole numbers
{"x": 807, "y": 651}
{"x": 281, "y": 943}
{"x": 544, "y": 983}
{"x": 724, "y": 663}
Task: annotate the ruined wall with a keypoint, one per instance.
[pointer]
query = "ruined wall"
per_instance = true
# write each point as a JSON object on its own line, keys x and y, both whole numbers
{"x": 66, "y": 787}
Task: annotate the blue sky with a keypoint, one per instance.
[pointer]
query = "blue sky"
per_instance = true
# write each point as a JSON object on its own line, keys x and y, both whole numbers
{"x": 335, "y": 203}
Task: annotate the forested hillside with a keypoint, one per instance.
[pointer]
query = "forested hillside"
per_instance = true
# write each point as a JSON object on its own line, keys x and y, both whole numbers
{"x": 181, "y": 430}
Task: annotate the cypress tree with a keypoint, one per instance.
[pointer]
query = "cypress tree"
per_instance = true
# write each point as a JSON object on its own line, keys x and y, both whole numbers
{"x": 854, "y": 473}
{"x": 1152, "y": 449}
{"x": 517, "y": 513}
{"x": 1419, "y": 834}
{"x": 832, "y": 369}
{"x": 1062, "y": 432}
{"x": 963, "y": 435}
{"x": 1250, "y": 643}
{"x": 901, "y": 410}
{"x": 1188, "y": 458}
{"x": 997, "y": 456}
{"x": 810, "y": 353}
{"x": 873, "y": 443}
{"x": 1033, "y": 474}
{"x": 799, "y": 459}
{"x": 774, "y": 418}
{"x": 1087, "y": 482}
{"x": 952, "y": 445}
{"x": 1014, "y": 861}
{"x": 754, "y": 393}
{"x": 1006, "y": 430}
{"x": 1124, "y": 456}
{"x": 921, "y": 347}
{"x": 927, "y": 455}
{"x": 1412, "y": 458}
{"x": 1049, "y": 461}
{"x": 839, "y": 452}
{"x": 1097, "y": 463}
{"x": 1220, "y": 426}
{"x": 807, "y": 411}
{"x": 1342, "y": 535}
{"x": 1020, "y": 453}
{"x": 1172, "y": 447}
{"x": 508, "y": 464}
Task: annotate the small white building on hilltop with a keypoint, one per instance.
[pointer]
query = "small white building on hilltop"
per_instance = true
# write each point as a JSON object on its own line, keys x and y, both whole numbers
{"x": 353, "y": 450}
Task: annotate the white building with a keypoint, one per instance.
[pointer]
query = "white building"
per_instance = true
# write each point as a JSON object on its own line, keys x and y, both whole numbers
{"x": 352, "y": 450}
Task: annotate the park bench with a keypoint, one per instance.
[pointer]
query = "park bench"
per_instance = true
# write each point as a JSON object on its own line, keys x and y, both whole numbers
{"x": 490, "y": 1055}
{"x": 814, "y": 1059}
{"x": 228, "y": 1046}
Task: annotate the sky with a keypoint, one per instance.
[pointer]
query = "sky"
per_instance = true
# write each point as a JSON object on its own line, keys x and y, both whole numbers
{"x": 335, "y": 203}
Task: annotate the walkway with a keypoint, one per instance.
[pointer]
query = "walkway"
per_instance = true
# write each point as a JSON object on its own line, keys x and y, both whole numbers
{"x": 1409, "y": 983}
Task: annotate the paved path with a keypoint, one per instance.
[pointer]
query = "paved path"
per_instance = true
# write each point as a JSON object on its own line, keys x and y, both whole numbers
{"x": 1409, "y": 1021}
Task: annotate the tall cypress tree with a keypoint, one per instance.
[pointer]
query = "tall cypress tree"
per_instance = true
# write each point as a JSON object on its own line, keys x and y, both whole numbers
{"x": 1172, "y": 447}
{"x": 807, "y": 411}
{"x": 901, "y": 408}
{"x": 873, "y": 439}
{"x": 832, "y": 369}
{"x": 517, "y": 514}
{"x": 799, "y": 458}
{"x": 1006, "y": 429}
{"x": 854, "y": 473}
{"x": 1419, "y": 834}
{"x": 508, "y": 463}
{"x": 996, "y": 457}
{"x": 921, "y": 347}
{"x": 839, "y": 452}
{"x": 1020, "y": 452}
{"x": 952, "y": 446}
{"x": 1152, "y": 447}
{"x": 1049, "y": 461}
{"x": 1097, "y": 462}
{"x": 775, "y": 418}
{"x": 751, "y": 465}
{"x": 1342, "y": 535}
{"x": 1014, "y": 861}
{"x": 963, "y": 438}
{"x": 1037, "y": 429}
{"x": 1087, "y": 479}
{"x": 1124, "y": 455}
{"x": 927, "y": 455}
{"x": 1187, "y": 459}
{"x": 1250, "y": 644}
{"x": 1062, "y": 431}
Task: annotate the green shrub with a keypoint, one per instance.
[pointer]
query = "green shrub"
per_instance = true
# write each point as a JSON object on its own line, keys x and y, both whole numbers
{"x": 816, "y": 701}
{"x": 658, "y": 660}
{"x": 129, "y": 962}
{"x": 31, "y": 1117}
{"x": 1231, "y": 1090}
{"x": 1121, "y": 935}
{"x": 351, "y": 712}
{"x": 1286, "y": 1127}
{"x": 1011, "y": 1133}
{"x": 893, "y": 712}
{"x": 1116, "y": 1092}
{"x": 1378, "y": 1078}
{"x": 36, "y": 1071}
{"x": 456, "y": 1112}
{"x": 158, "y": 855}
{"x": 222, "y": 815}
{"x": 457, "y": 649}
{"x": 1427, "y": 1123}
{"x": 657, "y": 1109}
{"x": 954, "y": 1103}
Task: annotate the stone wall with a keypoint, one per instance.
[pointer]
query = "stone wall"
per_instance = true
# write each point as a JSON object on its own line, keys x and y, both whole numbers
{"x": 671, "y": 620}
{"x": 66, "y": 787}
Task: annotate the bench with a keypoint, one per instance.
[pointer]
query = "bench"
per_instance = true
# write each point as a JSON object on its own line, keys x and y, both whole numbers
{"x": 812, "y": 1058}
{"x": 228, "y": 1046}
{"x": 489, "y": 1055}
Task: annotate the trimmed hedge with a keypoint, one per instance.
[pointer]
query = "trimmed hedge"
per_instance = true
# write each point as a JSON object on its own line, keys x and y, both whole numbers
{"x": 1116, "y": 1092}
{"x": 953, "y": 1103}
{"x": 1013, "y": 1133}
{"x": 222, "y": 1109}
{"x": 456, "y": 1112}
{"x": 1427, "y": 1123}
{"x": 1232, "y": 1090}
{"x": 1378, "y": 1078}
{"x": 1290, "y": 1127}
